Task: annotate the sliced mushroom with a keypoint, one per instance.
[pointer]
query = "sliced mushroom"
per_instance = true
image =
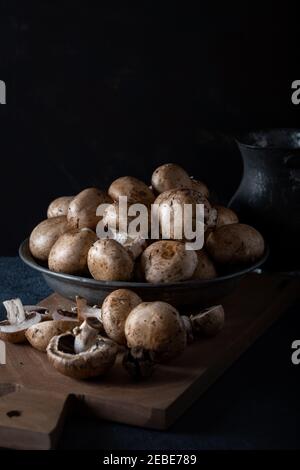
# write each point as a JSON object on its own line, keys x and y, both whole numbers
{"x": 93, "y": 362}
{"x": 40, "y": 335}
{"x": 168, "y": 261}
{"x": 59, "y": 206}
{"x": 18, "y": 321}
{"x": 115, "y": 310}
{"x": 156, "y": 327}
{"x": 84, "y": 311}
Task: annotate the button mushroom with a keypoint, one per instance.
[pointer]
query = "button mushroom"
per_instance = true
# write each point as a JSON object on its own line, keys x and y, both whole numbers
{"x": 205, "y": 267}
{"x": 199, "y": 186}
{"x": 135, "y": 190}
{"x": 40, "y": 335}
{"x": 169, "y": 176}
{"x": 69, "y": 253}
{"x": 93, "y": 362}
{"x": 108, "y": 260}
{"x": 226, "y": 216}
{"x": 172, "y": 176}
{"x": 172, "y": 221}
{"x": 235, "y": 244}
{"x": 59, "y": 206}
{"x": 45, "y": 234}
{"x": 208, "y": 322}
{"x": 18, "y": 321}
{"x": 115, "y": 310}
{"x": 82, "y": 209}
{"x": 168, "y": 261}
{"x": 156, "y": 327}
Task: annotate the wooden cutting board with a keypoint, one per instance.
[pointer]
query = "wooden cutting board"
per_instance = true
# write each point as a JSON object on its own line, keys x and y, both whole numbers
{"x": 35, "y": 398}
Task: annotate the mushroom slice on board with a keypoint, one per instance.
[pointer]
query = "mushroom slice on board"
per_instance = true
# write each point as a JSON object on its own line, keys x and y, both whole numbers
{"x": 40, "y": 335}
{"x": 93, "y": 362}
{"x": 18, "y": 321}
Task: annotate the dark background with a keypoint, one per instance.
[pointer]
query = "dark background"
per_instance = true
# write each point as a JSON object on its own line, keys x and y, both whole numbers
{"x": 96, "y": 93}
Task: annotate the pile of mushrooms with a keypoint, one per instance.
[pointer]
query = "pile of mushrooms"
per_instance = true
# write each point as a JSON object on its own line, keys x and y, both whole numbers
{"x": 67, "y": 239}
{"x": 86, "y": 341}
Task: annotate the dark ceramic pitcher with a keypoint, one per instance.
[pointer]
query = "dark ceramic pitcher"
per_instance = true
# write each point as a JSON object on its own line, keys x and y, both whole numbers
{"x": 269, "y": 194}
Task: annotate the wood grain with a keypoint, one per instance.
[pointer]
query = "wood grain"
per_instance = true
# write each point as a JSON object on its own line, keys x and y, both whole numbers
{"x": 30, "y": 385}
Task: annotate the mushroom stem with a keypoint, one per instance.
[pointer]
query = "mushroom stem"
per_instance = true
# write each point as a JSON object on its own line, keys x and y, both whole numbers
{"x": 86, "y": 335}
{"x": 15, "y": 311}
{"x": 138, "y": 362}
{"x": 208, "y": 322}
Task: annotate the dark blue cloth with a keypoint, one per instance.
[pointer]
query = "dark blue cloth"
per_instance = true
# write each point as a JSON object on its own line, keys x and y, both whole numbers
{"x": 254, "y": 405}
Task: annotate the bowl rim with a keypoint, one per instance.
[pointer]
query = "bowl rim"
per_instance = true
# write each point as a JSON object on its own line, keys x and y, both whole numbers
{"x": 29, "y": 260}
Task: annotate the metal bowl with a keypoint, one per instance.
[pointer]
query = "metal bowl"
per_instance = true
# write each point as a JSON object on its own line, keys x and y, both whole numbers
{"x": 192, "y": 293}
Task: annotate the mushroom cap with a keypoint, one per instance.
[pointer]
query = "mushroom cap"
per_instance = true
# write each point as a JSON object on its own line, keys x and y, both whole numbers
{"x": 169, "y": 200}
{"x": 108, "y": 260}
{"x": 168, "y": 261}
{"x": 235, "y": 243}
{"x": 40, "y": 335}
{"x": 226, "y": 216}
{"x": 85, "y": 311}
{"x": 134, "y": 246}
{"x": 199, "y": 186}
{"x": 135, "y": 190}
{"x": 59, "y": 206}
{"x": 69, "y": 252}
{"x": 169, "y": 176}
{"x": 115, "y": 310}
{"x": 83, "y": 207}
{"x": 209, "y": 321}
{"x": 96, "y": 361}
{"x": 205, "y": 267}
{"x": 45, "y": 234}
{"x": 158, "y": 328}
{"x": 15, "y": 333}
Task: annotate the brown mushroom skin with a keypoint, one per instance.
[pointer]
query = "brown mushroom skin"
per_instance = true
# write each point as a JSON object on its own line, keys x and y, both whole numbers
{"x": 135, "y": 190}
{"x": 82, "y": 209}
{"x": 205, "y": 268}
{"x": 40, "y": 335}
{"x": 168, "y": 261}
{"x": 226, "y": 216}
{"x": 59, "y": 206}
{"x": 45, "y": 234}
{"x": 235, "y": 244}
{"x": 108, "y": 260}
{"x": 69, "y": 253}
{"x": 15, "y": 337}
{"x": 199, "y": 186}
{"x": 169, "y": 176}
{"x": 157, "y": 328}
{"x": 115, "y": 310}
{"x": 168, "y": 200}
{"x": 84, "y": 365}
